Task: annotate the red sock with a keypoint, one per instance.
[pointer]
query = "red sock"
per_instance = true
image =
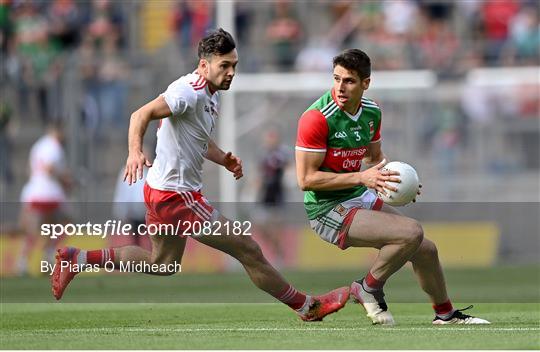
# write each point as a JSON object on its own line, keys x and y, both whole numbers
{"x": 291, "y": 297}
{"x": 443, "y": 308}
{"x": 100, "y": 256}
{"x": 373, "y": 283}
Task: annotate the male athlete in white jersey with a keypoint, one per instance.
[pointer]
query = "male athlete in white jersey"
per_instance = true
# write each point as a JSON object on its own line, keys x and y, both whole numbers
{"x": 187, "y": 112}
{"x": 334, "y": 134}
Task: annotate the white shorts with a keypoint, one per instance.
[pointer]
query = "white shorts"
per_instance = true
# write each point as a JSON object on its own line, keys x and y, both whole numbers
{"x": 334, "y": 225}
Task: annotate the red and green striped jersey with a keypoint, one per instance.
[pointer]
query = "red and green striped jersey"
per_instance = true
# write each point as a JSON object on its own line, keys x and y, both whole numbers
{"x": 326, "y": 128}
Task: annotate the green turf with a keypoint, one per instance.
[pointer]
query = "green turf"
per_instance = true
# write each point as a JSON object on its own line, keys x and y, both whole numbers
{"x": 521, "y": 285}
{"x": 255, "y": 326}
{"x": 508, "y": 296}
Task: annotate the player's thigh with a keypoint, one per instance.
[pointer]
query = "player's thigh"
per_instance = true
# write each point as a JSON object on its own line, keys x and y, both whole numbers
{"x": 371, "y": 228}
{"x": 167, "y": 248}
{"x": 222, "y": 237}
{"x": 390, "y": 210}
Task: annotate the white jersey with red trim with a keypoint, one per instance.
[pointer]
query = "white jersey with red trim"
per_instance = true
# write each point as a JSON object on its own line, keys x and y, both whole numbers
{"x": 46, "y": 159}
{"x": 182, "y": 139}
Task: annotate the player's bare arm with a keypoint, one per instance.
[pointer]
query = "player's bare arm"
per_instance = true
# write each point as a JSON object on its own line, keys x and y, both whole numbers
{"x": 310, "y": 178}
{"x": 228, "y": 160}
{"x": 154, "y": 110}
{"x": 374, "y": 154}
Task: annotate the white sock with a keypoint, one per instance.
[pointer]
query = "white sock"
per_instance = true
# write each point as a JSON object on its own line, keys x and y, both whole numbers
{"x": 307, "y": 304}
{"x": 447, "y": 315}
{"x": 81, "y": 257}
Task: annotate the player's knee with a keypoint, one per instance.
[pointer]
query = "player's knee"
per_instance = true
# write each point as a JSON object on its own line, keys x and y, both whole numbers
{"x": 415, "y": 233}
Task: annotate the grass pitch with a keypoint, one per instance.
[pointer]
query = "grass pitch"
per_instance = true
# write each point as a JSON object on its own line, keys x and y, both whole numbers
{"x": 514, "y": 312}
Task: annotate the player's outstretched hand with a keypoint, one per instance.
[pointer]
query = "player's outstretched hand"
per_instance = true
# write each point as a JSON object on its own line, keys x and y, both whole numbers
{"x": 233, "y": 164}
{"x": 375, "y": 178}
{"x": 134, "y": 167}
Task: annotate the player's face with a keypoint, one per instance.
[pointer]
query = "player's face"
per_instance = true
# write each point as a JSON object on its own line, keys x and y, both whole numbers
{"x": 348, "y": 88}
{"x": 221, "y": 70}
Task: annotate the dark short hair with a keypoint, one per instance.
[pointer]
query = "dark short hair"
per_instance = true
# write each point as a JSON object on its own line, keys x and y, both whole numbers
{"x": 354, "y": 60}
{"x": 218, "y": 42}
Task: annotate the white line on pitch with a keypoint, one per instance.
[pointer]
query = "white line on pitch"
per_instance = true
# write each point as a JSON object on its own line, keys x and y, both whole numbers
{"x": 375, "y": 329}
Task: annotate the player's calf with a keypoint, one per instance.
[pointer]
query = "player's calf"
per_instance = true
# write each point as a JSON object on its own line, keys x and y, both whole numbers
{"x": 426, "y": 254}
{"x": 248, "y": 252}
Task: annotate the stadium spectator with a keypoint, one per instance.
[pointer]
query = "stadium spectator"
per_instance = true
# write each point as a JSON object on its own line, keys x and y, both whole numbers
{"x": 6, "y": 171}
{"x": 315, "y": 56}
{"x": 112, "y": 75}
{"x": 447, "y": 138}
{"x": 40, "y": 62}
{"x": 65, "y": 23}
{"x": 187, "y": 111}
{"x": 191, "y": 21}
{"x": 104, "y": 73}
{"x": 284, "y": 33}
{"x": 244, "y": 20}
{"x": 430, "y": 53}
{"x": 400, "y": 16}
{"x": 496, "y": 16}
{"x": 389, "y": 47}
{"x": 6, "y": 26}
{"x": 345, "y": 17}
{"x": 524, "y": 42}
{"x": 104, "y": 19}
{"x": 87, "y": 59}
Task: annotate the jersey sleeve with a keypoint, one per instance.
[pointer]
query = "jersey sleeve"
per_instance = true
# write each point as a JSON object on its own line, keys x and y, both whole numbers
{"x": 377, "y": 135}
{"x": 180, "y": 96}
{"x": 312, "y": 133}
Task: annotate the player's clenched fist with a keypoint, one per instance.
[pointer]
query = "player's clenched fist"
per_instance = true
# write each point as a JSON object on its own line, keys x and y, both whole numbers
{"x": 134, "y": 167}
{"x": 376, "y": 178}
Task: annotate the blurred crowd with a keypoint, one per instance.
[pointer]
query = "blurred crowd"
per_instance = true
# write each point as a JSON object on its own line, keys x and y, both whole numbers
{"x": 40, "y": 38}
{"x": 282, "y": 35}
{"x": 100, "y": 42}
{"x": 449, "y": 37}
{"x": 446, "y": 36}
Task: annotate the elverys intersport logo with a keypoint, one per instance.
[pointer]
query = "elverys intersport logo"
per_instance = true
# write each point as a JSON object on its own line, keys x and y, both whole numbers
{"x": 344, "y": 159}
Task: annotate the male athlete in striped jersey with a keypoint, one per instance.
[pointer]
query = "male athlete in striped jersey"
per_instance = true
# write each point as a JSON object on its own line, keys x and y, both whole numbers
{"x": 187, "y": 111}
{"x": 335, "y": 134}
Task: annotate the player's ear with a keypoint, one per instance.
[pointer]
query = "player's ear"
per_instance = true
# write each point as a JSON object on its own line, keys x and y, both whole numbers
{"x": 365, "y": 83}
{"x": 204, "y": 65}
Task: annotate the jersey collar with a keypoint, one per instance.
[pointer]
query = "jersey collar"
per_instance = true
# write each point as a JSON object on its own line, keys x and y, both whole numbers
{"x": 207, "y": 88}
{"x": 354, "y": 117}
